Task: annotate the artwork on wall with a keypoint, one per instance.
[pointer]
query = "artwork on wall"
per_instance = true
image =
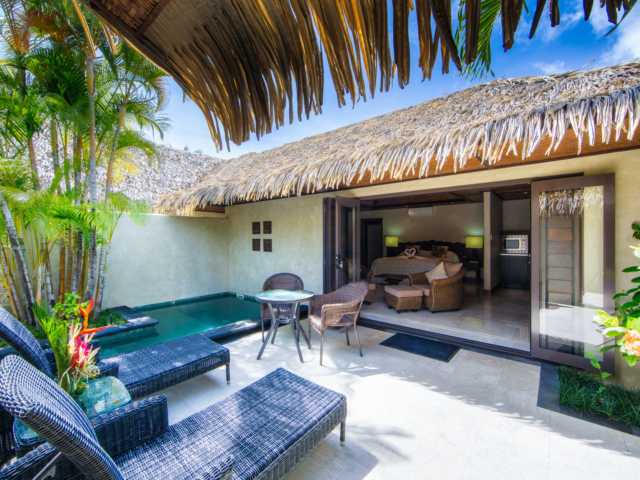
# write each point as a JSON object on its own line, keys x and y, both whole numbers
{"x": 266, "y": 228}
{"x": 256, "y": 228}
{"x": 267, "y": 245}
{"x": 256, "y": 244}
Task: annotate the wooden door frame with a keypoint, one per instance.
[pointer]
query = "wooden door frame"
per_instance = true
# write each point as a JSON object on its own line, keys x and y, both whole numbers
{"x": 607, "y": 180}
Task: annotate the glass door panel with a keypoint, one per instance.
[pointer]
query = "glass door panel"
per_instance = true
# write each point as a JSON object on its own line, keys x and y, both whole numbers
{"x": 572, "y": 259}
{"x": 341, "y": 242}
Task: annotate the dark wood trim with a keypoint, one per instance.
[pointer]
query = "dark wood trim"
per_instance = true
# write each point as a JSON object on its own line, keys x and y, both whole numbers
{"x": 607, "y": 180}
{"x": 151, "y": 18}
{"x": 211, "y": 208}
{"x": 472, "y": 186}
{"x": 488, "y": 293}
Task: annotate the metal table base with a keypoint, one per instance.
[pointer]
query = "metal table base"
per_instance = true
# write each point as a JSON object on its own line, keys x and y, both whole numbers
{"x": 278, "y": 319}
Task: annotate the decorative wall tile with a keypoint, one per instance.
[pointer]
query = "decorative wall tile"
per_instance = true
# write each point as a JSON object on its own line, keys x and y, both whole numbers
{"x": 256, "y": 244}
{"x": 266, "y": 227}
{"x": 267, "y": 245}
{"x": 256, "y": 228}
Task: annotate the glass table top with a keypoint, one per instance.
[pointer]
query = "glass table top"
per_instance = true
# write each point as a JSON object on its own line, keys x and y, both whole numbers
{"x": 101, "y": 396}
{"x": 276, "y": 296}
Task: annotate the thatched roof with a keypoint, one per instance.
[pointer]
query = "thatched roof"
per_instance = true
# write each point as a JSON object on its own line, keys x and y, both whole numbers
{"x": 244, "y": 61}
{"x": 173, "y": 170}
{"x": 509, "y": 117}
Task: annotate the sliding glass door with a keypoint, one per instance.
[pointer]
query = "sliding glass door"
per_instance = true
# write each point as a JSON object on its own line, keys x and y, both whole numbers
{"x": 341, "y": 242}
{"x": 572, "y": 257}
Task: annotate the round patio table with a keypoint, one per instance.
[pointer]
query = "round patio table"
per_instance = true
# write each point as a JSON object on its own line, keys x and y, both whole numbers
{"x": 276, "y": 300}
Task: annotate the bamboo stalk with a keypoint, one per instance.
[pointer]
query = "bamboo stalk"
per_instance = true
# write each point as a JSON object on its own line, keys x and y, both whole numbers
{"x": 62, "y": 269}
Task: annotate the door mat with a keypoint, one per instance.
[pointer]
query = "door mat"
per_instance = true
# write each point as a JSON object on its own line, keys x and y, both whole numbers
{"x": 422, "y": 346}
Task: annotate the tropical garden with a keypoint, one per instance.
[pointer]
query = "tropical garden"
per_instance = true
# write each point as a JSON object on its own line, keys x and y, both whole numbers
{"x": 65, "y": 77}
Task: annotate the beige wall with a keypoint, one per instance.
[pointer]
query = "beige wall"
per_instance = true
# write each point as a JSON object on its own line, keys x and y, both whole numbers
{"x": 449, "y": 223}
{"x": 516, "y": 215}
{"x": 168, "y": 259}
{"x": 296, "y": 237}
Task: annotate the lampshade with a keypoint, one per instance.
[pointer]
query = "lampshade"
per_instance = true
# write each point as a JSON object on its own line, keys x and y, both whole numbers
{"x": 475, "y": 242}
{"x": 390, "y": 241}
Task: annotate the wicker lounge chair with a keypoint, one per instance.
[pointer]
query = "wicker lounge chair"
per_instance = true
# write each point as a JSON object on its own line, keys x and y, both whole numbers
{"x": 143, "y": 372}
{"x": 441, "y": 295}
{"x": 261, "y": 431}
{"x": 338, "y": 309}
{"x": 279, "y": 281}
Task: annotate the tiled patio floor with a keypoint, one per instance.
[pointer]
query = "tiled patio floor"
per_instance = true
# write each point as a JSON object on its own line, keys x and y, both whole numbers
{"x": 411, "y": 417}
{"x": 502, "y": 319}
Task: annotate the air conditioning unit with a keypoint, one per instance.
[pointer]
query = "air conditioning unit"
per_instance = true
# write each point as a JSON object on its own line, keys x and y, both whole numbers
{"x": 420, "y": 212}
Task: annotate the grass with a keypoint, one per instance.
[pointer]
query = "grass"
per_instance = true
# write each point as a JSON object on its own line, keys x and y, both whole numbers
{"x": 106, "y": 318}
{"x": 584, "y": 392}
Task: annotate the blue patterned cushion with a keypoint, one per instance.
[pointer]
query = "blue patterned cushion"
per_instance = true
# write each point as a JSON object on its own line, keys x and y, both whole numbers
{"x": 40, "y": 404}
{"x": 16, "y": 335}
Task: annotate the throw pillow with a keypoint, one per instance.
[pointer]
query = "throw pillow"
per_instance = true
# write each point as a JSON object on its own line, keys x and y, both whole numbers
{"x": 439, "y": 251}
{"x": 452, "y": 268}
{"x": 437, "y": 273}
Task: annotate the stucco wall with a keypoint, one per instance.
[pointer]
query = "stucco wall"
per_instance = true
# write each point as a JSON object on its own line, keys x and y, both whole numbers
{"x": 168, "y": 259}
{"x": 296, "y": 238}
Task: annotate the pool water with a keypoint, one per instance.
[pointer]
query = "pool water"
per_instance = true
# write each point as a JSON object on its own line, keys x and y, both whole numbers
{"x": 180, "y": 320}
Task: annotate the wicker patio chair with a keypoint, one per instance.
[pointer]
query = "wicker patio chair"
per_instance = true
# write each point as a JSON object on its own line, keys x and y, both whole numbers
{"x": 445, "y": 294}
{"x": 279, "y": 281}
{"x": 338, "y": 309}
{"x": 261, "y": 431}
{"x": 143, "y": 372}
{"x": 372, "y": 293}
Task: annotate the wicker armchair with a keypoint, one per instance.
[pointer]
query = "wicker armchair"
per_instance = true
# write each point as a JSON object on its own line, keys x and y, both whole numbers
{"x": 445, "y": 294}
{"x": 281, "y": 416}
{"x": 279, "y": 281}
{"x": 338, "y": 309}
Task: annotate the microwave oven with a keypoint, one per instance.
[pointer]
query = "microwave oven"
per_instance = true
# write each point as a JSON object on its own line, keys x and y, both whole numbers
{"x": 514, "y": 244}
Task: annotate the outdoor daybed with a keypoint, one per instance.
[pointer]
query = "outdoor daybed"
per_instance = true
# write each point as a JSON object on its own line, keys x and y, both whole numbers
{"x": 262, "y": 431}
{"x": 142, "y": 372}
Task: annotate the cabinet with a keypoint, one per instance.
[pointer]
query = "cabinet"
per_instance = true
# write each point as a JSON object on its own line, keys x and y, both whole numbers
{"x": 515, "y": 271}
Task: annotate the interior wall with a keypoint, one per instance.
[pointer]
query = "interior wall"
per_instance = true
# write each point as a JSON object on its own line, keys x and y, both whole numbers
{"x": 449, "y": 223}
{"x": 493, "y": 214}
{"x": 170, "y": 258}
{"x": 516, "y": 215}
{"x": 296, "y": 239}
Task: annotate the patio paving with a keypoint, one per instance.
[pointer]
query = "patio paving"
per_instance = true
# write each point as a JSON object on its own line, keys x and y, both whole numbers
{"x": 413, "y": 417}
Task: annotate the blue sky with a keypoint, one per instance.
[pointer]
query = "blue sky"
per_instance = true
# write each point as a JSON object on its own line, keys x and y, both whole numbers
{"x": 573, "y": 44}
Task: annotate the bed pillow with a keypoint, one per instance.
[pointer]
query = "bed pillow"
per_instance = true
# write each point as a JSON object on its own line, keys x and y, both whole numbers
{"x": 438, "y": 273}
{"x": 424, "y": 253}
{"x": 452, "y": 257}
{"x": 452, "y": 269}
{"x": 439, "y": 251}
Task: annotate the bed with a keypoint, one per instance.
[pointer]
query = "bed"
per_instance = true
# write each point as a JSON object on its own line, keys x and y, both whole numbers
{"x": 406, "y": 266}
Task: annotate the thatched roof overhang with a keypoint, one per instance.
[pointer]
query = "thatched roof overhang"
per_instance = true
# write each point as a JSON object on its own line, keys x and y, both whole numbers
{"x": 501, "y": 123}
{"x": 246, "y": 62}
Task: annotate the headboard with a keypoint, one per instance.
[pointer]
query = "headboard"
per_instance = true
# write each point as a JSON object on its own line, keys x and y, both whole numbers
{"x": 460, "y": 249}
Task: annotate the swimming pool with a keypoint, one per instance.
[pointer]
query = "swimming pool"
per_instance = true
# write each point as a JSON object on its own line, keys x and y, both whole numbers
{"x": 183, "y": 318}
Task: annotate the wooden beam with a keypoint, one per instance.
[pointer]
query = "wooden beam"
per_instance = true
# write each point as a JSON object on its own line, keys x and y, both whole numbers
{"x": 151, "y": 18}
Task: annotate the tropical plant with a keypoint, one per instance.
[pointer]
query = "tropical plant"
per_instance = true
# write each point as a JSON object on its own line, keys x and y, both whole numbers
{"x": 477, "y": 19}
{"x": 623, "y": 329}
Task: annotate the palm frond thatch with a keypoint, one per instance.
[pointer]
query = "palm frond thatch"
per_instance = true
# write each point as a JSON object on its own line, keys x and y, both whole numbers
{"x": 487, "y": 121}
{"x": 244, "y": 61}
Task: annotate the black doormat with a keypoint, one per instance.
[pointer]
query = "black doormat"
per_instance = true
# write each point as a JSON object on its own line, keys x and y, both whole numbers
{"x": 422, "y": 346}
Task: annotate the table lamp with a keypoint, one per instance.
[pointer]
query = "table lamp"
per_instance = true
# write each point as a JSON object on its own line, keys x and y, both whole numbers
{"x": 390, "y": 241}
{"x": 474, "y": 243}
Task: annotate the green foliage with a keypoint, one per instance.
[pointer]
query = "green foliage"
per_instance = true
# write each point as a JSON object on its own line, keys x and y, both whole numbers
{"x": 489, "y": 15}
{"x": 585, "y": 392}
{"x": 69, "y": 309}
{"x": 106, "y": 318}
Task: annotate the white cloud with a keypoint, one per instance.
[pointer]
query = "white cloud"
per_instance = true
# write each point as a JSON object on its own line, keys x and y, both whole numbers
{"x": 549, "y": 68}
{"x": 627, "y": 40}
